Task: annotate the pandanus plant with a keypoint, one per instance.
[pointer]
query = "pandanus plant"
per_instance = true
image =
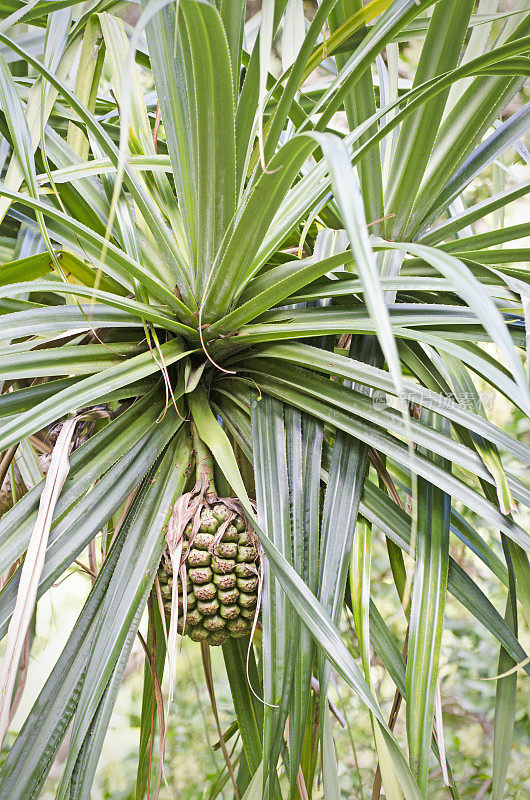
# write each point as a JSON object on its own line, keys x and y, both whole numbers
{"x": 262, "y": 310}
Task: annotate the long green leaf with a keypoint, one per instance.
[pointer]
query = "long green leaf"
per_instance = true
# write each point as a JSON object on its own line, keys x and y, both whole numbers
{"x": 426, "y": 621}
{"x": 440, "y": 53}
{"x": 279, "y": 639}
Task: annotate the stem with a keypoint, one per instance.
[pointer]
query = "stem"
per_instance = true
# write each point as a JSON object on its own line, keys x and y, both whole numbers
{"x": 203, "y": 460}
{"x": 5, "y": 462}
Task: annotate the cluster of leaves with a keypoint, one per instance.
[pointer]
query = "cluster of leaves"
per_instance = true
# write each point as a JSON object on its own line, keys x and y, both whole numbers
{"x": 221, "y": 258}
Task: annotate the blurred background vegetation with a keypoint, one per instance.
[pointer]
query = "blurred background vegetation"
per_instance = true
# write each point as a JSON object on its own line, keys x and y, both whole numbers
{"x": 468, "y": 658}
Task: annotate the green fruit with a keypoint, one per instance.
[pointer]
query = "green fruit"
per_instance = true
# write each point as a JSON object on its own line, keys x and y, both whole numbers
{"x": 203, "y": 541}
{"x": 239, "y": 524}
{"x": 229, "y": 597}
{"x": 226, "y": 549}
{"x": 222, "y": 566}
{"x": 193, "y": 617}
{"x": 220, "y": 512}
{"x": 199, "y": 633}
{"x": 246, "y": 570}
{"x": 231, "y": 534}
{"x": 199, "y": 558}
{"x": 248, "y": 585}
{"x": 209, "y": 524}
{"x": 218, "y": 637}
{"x": 247, "y": 600}
{"x": 208, "y": 607}
{"x": 200, "y": 575}
{"x": 229, "y": 612}
{"x": 239, "y": 627}
{"x": 225, "y": 581}
{"x": 222, "y": 578}
{"x": 191, "y": 602}
{"x": 205, "y": 592}
{"x": 246, "y": 554}
{"x": 215, "y": 623}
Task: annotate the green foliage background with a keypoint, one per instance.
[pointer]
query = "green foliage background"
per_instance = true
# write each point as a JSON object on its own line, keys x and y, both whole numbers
{"x": 182, "y": 266}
